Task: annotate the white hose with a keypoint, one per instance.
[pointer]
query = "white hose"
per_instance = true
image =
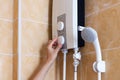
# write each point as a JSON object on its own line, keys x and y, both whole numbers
{"x": 99, "y": 75}
{"x": 64, "y": 63}
{"x": 75, "y": 73}
{"x": 64, "y": 67}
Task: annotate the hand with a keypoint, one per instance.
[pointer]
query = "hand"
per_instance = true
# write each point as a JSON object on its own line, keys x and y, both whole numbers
{"x": 53, "y": 49}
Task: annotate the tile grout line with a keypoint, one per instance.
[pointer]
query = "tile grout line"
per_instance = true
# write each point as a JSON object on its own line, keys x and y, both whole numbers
{"x": 34, "y": 21}
{"x": 114, "y": 5}
{"x": 33, "y": 55}
{"x": 92, "y": 13}
{"x": 7, "y": 54}
{"x": 7, "y": 20}
{"x": 91, "y": 52}
{"x": 23, "y": 19}
{"x": 37, "y": 55}
{"x": 111, "y": 49}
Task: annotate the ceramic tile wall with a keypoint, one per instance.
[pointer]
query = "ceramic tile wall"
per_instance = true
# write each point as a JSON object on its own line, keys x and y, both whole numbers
{"x": 35, "y": 35}
{"x": 6, "y": 39}
{"x": 102, "y": 15}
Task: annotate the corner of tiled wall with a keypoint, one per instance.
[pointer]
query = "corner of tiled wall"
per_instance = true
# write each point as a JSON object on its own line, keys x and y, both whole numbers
{"x": 15, "y": 39}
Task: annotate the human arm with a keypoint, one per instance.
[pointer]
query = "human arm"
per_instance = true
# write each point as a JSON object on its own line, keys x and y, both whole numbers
{"x": 52, "y": 51}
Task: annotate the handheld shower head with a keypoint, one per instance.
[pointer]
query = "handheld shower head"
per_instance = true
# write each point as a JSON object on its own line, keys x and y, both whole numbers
{"x": 90, "y": 35}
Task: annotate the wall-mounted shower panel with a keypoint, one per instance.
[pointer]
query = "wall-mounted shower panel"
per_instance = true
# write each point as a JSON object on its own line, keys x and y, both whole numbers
{"x": 65, "y": 22}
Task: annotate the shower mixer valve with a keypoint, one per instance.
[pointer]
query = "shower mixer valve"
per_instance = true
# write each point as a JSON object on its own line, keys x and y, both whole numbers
{"x": 60, "y": 25}
{"x": 61, "y": 40}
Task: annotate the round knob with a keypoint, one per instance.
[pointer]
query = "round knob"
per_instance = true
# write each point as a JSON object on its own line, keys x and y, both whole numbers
{"x": 61, "y": 40}
{"x": 60, "y": 25}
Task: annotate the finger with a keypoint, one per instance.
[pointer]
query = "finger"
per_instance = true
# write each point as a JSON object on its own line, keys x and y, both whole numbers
{"x": 58, "y": 47}
{"x": 52, "y": 42}
{"x": 55, "y": 44}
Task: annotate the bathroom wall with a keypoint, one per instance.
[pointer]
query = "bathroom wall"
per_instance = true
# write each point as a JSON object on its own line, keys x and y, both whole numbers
{"x": 36, "y": 29}
{"x": 102, "y": 15}
{"x": 36, "y": 25}
{"x": 6, "y": 39}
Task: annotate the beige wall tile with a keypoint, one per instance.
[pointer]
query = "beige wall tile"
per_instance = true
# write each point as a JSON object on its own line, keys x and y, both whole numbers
{"x": 34, "y": 37}
{"x": 113, "y": 66}
{"x": 6, "y": 37}
{"x": 87, "y": 72}
{"x": 51, "y": 73}
{"x": 36, "y": 10}
{"x": 108, "y": 33}
{"x": 107, "y": 3}
{"x": 31, "y": 65}
{"x": 94, "y": 6}
{"x": 90, "y": 6}
{"x": 6, "y": 67}
{"x": 106, "y": 23}
{"x": 6, "y": 9}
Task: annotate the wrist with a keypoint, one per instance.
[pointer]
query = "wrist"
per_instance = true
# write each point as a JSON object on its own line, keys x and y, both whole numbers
{"x": 50, "y": 60}
{"x": 52, "y": 57}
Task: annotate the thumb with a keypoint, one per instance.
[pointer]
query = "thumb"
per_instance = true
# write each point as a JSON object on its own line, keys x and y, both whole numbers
{"x": 58, "y": 47}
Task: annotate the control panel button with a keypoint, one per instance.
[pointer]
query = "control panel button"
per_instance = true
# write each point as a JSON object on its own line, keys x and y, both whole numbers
{"x": 61, "y": 40}
{"x": 60, "y": 26}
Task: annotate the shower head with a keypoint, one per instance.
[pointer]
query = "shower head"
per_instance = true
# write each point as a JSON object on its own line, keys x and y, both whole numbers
{"x": 89, "y": 34}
